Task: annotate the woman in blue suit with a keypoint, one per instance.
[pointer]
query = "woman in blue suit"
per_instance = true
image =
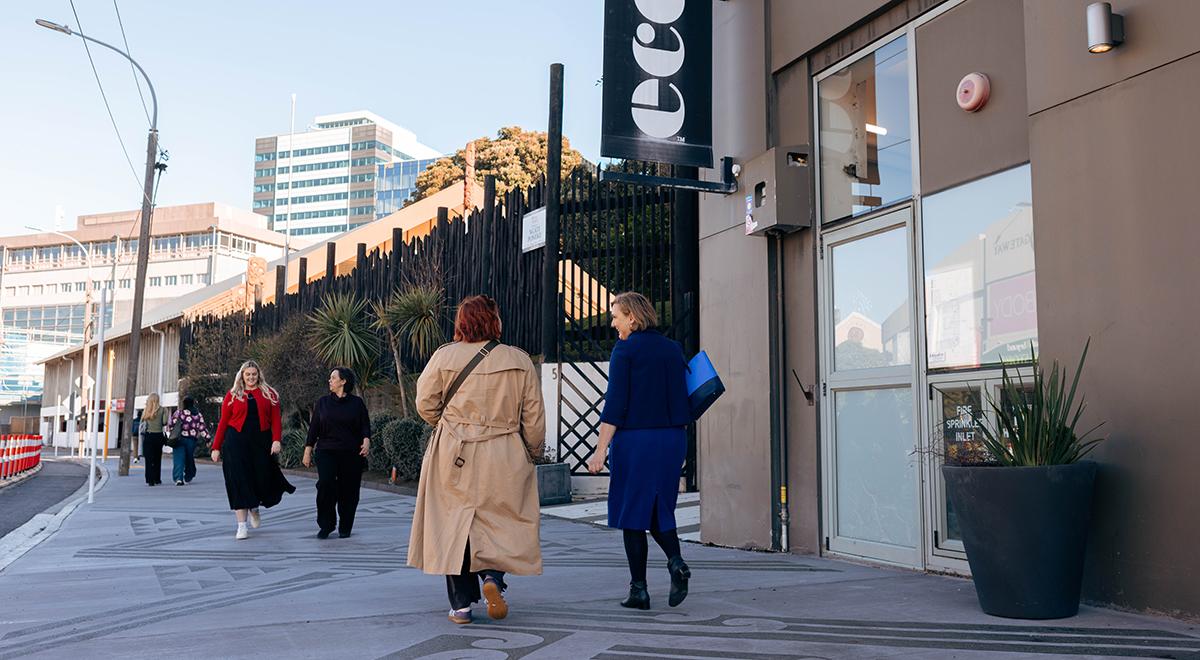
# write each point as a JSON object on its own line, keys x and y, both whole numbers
{"x": 645, "y": 418}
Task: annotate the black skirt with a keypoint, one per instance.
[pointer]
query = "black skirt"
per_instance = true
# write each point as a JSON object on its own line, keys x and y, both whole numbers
{"x": 252, "y": 474}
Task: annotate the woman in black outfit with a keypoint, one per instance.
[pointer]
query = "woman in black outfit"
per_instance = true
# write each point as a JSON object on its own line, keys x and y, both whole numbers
{"x": 340, "y": 429}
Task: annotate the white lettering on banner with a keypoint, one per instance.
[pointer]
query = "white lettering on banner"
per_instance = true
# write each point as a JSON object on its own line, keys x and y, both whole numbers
{"x": 660, "y": 63}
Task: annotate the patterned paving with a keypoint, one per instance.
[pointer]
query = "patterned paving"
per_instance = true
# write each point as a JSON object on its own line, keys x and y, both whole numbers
{"x": 140, "y": 577}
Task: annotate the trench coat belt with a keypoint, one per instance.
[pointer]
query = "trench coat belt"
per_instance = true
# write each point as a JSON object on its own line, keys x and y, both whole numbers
{"x": 489, "y": 431}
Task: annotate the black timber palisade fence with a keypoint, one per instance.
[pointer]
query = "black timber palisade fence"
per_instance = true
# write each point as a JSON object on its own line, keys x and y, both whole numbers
{"x": 614, "y": 237}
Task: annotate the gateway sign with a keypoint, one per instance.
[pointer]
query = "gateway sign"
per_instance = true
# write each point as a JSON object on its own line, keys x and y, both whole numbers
{"x": 658, "y": 81}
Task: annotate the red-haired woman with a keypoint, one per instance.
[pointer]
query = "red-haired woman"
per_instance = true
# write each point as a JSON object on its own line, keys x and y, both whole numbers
{"x": 477, "y": 514}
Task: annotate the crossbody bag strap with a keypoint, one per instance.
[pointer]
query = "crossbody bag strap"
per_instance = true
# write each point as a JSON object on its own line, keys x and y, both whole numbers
{"x": 462, "y": 375}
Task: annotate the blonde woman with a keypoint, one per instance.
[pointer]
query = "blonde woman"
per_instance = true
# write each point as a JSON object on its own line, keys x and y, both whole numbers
{"x": 154, "y": 418}
{"x": 645, "y": 418}
{"x": 250, "y": 425}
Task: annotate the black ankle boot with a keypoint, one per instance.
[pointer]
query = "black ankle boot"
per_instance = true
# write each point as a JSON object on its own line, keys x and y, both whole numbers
{"x": 679, "y": 580}
{"x": 639, "y": 598}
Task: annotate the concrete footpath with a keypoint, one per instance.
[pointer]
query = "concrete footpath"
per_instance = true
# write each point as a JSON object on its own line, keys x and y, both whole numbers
{"x": 156, "y": 572}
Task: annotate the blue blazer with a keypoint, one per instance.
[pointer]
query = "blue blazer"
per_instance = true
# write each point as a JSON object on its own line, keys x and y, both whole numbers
{"x": 647, "y": 385}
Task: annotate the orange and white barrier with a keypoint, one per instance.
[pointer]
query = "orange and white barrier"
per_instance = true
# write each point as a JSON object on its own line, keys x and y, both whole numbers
{"x": 19, "y": 454}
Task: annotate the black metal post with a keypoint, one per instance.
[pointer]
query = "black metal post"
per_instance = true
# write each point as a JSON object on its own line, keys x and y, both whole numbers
{"x": 685, "y": 287}
{"x": 551, "y": 310}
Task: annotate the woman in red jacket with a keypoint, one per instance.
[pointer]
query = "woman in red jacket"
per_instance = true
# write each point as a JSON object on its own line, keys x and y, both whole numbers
{"x": 249, "y": 429}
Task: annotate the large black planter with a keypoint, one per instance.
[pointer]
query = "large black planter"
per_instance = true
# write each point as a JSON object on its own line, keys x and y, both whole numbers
{"x": 554, "y": 483}
{"x": 1025, "y": 532}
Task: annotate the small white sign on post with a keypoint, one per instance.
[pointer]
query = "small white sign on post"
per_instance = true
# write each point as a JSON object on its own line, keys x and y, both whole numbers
{"x": 533, "y": 230}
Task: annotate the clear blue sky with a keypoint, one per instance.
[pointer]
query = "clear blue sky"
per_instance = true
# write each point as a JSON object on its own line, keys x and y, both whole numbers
{"x": 448, "y": 70}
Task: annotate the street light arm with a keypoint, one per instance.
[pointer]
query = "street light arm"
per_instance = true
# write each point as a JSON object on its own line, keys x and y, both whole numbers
{"x": 86, "y": 252}
{"x": 67, "y": 30}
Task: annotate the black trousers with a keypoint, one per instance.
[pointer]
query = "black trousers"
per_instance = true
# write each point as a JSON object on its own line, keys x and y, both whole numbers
{"x": 339, "y": 476}
{"x": 152, "y": 448}
{"x": 463, "y": 589}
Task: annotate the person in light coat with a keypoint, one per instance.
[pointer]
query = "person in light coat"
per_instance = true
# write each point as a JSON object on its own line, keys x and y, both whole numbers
{"x": 477, "y": 515}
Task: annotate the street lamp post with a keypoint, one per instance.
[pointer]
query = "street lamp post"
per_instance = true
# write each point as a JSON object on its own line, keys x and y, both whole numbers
{"x": 135, "y": 328}
{"x": 87, "y": 313}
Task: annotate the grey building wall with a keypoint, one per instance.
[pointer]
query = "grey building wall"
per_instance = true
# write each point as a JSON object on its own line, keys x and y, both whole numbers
{"x": 1112, "y": 140}
{"x": 959, "y": 146}
{"x": 1109, "y": 137}
{"x": 734, "y": 436}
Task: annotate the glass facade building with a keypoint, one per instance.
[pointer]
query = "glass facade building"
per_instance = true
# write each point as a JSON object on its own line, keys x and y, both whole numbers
{"x": 395, "y": 183}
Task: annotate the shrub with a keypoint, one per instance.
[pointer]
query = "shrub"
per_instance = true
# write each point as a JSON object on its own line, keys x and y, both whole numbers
{"x": 378, "y": 457}
{"x": 405, "y": 441}
{"x": 291, "y": 454}
{"x": 299, "y": 375}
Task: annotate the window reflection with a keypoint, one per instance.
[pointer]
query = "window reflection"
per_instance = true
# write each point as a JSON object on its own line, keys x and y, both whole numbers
{"x": 980, "y": 289}
{"x": 866, "y": 158}
{"x": 870, "y": 302}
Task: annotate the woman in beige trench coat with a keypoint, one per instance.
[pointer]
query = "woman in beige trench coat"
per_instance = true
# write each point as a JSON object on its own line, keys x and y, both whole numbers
{"x": 477, "y": 514}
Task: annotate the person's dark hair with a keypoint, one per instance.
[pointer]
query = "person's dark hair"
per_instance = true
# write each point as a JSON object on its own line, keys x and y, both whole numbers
{"x": 478, "y": 319}
{"x": 347, "y": 374}
{"x": 189, "y": 404}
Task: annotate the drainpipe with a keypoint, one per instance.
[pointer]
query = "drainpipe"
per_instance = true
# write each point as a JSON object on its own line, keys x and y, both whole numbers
{"x": 162, "y": 344}
{"x": 778, "y": 400}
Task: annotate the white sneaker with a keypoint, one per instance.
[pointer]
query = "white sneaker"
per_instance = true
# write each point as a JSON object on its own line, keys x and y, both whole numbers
{"x": 242, "y": 532}
{"x": 255, "y": 520}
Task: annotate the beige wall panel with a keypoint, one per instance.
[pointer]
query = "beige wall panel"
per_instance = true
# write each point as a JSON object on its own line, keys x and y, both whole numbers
{"x": 800, "y": 309}
{"x": 957, "y": 146}
{"x": 1116, "y": 260}
{"x": 792, "y": 86}
{"x": 739, "y": 102}
{"x": 798, "y": 26}
{"x": 1060, "y": 66}
{"x": 735, "y": 434}
{"x": 884, "y": 23}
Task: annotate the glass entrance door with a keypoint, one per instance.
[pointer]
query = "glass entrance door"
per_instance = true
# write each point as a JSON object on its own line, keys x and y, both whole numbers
{"x": 872, "y": 477}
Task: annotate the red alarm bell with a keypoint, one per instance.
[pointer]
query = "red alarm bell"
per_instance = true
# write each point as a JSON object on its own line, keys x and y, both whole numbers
{"x": 973, "y": 92}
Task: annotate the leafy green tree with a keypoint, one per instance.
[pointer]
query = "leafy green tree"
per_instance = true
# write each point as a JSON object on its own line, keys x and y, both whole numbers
{"x": 516, "y": 157}
{"x": 300, "y": 377}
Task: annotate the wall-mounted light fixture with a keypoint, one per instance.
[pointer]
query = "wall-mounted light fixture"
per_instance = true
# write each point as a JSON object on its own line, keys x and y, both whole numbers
{"x": 1105, "y": 30}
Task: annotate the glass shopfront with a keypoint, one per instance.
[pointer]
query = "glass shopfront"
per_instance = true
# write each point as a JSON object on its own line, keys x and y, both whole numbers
{"x": 922, "y": 301}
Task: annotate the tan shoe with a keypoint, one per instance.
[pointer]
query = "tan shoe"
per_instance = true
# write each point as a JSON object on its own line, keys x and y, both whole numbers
{"x": 494, "y": 597}
{"x": 255, "y": 519}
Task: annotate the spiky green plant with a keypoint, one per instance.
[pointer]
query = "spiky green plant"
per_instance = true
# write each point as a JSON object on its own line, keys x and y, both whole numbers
{"x": 412, "y": 315}
{"x": 1036, "y": 421}
{"x": 341, "y": 333}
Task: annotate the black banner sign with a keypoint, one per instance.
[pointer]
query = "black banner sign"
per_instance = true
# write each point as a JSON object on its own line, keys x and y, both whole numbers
{"x": 658, "y": 81}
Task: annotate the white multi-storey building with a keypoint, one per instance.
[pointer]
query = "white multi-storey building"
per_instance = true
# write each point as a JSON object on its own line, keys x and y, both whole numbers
{"x": 43, "y": 283}
{"x": 322, "y": 181}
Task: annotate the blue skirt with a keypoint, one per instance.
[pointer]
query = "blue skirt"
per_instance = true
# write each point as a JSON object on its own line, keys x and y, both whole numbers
{"x": 645, "y": 465}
